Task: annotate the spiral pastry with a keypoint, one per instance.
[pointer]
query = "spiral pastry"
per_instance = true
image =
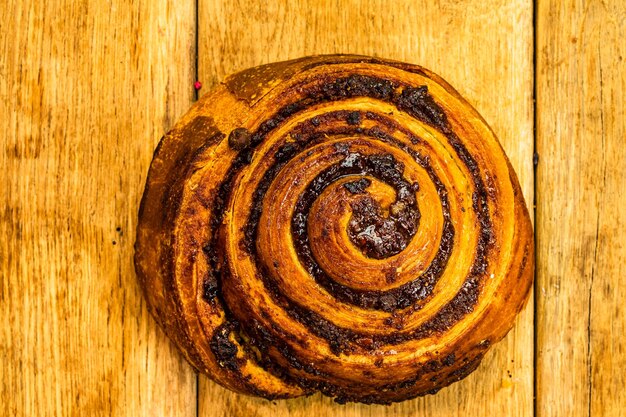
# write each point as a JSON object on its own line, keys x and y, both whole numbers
{"x": 342, "y": 224}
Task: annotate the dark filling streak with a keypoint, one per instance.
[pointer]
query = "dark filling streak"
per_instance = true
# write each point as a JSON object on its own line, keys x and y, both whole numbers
{"x": 210, "y": 288}
{"x": 354, "y": 118}
{"x": 419, "y": 104}
{"x": 358, "y": 186}
{"x": 381, "y": 236}
{"x": 264, "y": 341}
{"x": 375, "y": 234}
{"x": 223, "y": 348}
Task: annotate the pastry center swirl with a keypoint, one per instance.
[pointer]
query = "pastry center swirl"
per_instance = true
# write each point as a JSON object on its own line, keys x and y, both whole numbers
{"x": 379, "y": 232}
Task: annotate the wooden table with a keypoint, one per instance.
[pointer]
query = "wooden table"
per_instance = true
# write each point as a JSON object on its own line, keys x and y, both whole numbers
{"x": 88, "y": 88}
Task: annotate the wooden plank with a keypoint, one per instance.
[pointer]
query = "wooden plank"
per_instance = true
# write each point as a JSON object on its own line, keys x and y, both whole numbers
{"x": 86, "y": 91}
{"x": 484, "y": 49}
{"x": 581, "y": 208}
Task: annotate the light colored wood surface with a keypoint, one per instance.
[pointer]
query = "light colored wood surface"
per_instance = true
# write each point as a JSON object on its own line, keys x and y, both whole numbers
{"x": 86, "y": 91}
{"x": 581, "y": 208}
{"x": 492, "y": 68}
{"x": 88, "y": 88}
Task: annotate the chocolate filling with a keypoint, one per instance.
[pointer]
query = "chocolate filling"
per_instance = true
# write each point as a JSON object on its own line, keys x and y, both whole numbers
{"x": 358, "y": 186}
{"x": 376, "y": 235}
{"x": 239, "y": 139}
{"x": 223, "y": 348}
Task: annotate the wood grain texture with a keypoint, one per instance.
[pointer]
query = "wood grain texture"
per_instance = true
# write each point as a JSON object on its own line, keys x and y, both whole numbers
{"x": 581, "y": 208}
{"x": 86, "y": 90}
{"x": 492, "y": 68}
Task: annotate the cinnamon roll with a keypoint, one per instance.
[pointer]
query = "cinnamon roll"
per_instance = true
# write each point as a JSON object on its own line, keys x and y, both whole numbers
{"x": 342, "y": 224}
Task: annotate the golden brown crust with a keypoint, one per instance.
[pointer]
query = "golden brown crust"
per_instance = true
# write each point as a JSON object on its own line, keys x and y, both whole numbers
{"x": 336, "y": 223}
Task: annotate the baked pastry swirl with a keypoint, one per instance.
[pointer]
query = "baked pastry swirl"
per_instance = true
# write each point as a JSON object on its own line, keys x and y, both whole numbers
{"x": 342, "y": 224}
